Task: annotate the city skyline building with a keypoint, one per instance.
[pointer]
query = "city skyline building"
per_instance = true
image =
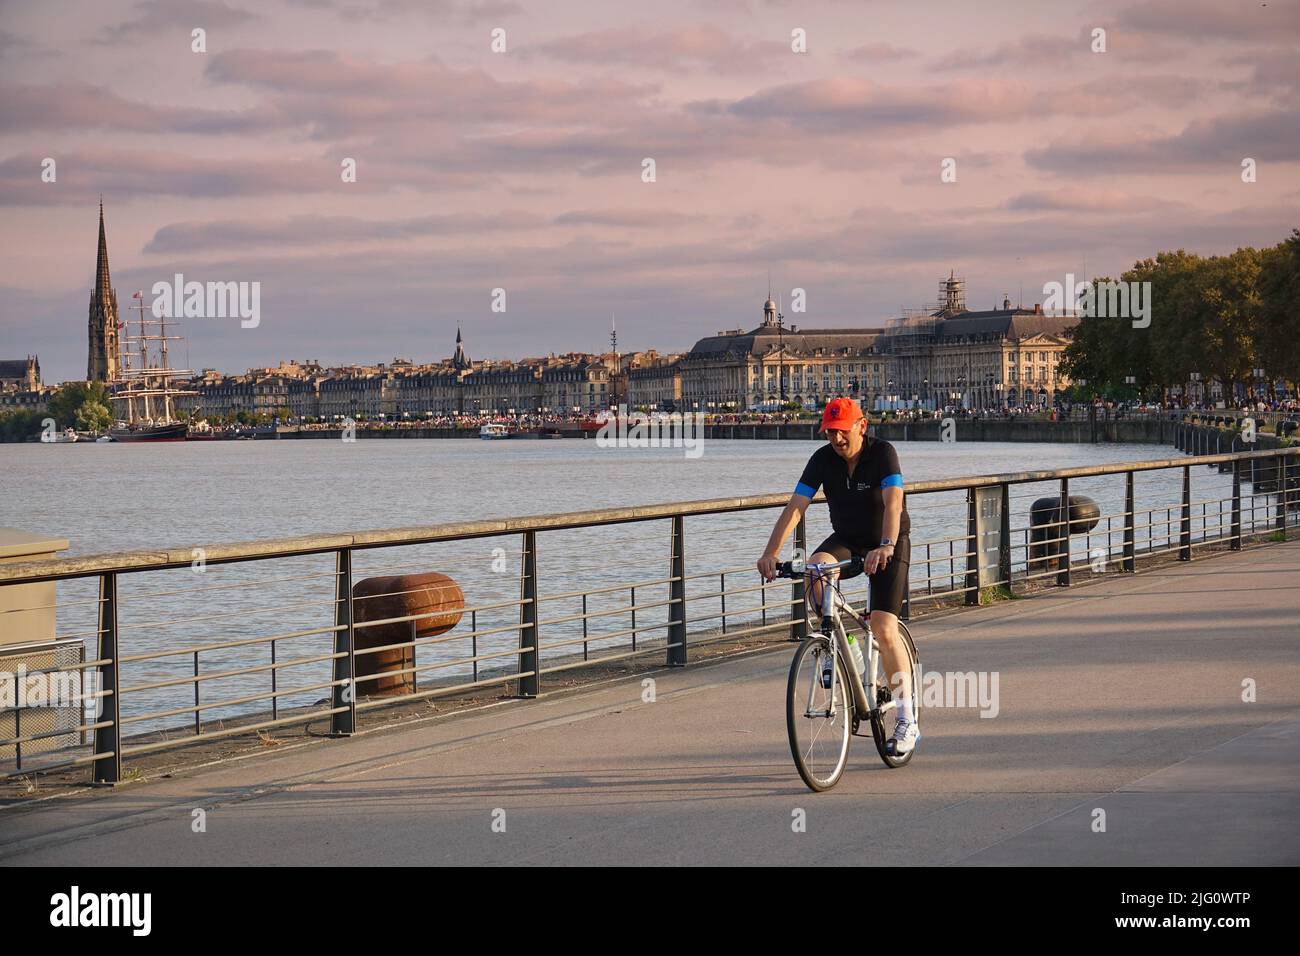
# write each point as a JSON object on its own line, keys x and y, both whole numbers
{"x": 940, "y": 355}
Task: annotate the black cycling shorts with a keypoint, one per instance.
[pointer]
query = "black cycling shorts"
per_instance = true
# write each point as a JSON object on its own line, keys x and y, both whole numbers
{"x": 888, "y": 587}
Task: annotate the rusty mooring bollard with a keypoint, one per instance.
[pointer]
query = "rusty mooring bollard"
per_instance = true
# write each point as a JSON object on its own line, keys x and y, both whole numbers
{"x": 402, "y": 595}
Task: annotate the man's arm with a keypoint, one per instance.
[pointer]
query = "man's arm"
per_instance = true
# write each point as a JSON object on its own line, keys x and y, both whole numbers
{"x": 790, "y": 517}
{"x": 809, "y": 482}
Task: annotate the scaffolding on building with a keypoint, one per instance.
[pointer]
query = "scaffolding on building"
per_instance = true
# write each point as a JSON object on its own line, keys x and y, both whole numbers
{"x": 910, "y": 339}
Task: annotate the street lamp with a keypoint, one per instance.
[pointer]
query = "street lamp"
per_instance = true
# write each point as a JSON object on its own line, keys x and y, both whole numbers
{"x": 780, "y": 336}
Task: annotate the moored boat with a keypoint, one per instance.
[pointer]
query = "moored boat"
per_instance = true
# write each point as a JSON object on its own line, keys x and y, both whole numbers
{"x": 143, "y": 384}
{"x": 148, "y": 431}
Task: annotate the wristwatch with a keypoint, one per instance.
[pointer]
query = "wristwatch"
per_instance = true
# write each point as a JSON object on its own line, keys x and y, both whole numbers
{"x": 886, "y": 542}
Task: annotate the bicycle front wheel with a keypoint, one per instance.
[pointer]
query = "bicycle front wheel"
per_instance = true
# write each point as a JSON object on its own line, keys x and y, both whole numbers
{"x": 818, "y": 717}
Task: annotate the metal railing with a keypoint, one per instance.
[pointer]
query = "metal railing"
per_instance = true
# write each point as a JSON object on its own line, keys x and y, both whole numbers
{"x": 167, "y": 680}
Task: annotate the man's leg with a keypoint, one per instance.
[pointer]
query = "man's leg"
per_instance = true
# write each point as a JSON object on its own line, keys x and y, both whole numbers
{"x": 813, "y": 591}
{"x": 828, "y": 552}
{"x": 893, "y": 653}
{"x": 888, "y": 592}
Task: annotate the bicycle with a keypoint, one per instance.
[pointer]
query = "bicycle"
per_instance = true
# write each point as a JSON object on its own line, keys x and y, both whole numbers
{"x": 819, "y": 711}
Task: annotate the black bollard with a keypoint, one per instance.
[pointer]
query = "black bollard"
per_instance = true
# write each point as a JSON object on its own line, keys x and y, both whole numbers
{"x": 1046, "y": 524}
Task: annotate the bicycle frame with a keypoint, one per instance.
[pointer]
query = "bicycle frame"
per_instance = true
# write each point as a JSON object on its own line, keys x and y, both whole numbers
{"x": 864, "y": 695}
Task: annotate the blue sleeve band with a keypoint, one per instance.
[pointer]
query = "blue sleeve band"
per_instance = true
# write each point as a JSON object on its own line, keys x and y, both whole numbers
{"x": 892, "y": 481}
{"x": 805, "y": 490}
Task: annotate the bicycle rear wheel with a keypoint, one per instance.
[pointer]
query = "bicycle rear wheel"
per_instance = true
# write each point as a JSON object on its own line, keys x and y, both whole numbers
{"x": 819, "y": 732}
{"x": 882, "y": 719}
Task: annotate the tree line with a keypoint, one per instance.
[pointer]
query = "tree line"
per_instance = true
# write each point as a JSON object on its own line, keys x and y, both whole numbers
{"x": 1220, "y": 316}
{"x": 84, "y": 406}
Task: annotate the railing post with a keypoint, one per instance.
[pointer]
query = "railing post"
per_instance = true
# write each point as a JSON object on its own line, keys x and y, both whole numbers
{"x": 1130, "y": 524}
{"x": 1236, "y": 505}
{"x": 722, "y": 598}
{"x": 108, "y": 740}
{"x": 1063, "y": 534}
{"x": 798, "y": 615}
{"x": 1185, "y": 522}
{"x": 530, "y": 685}
{"x": 677, "y": 594}
{"x": 1004, "y": 539}
{"x": 343, "y": 723}
{"x": 972, "y": 585}
{"x": 1280, "y": 470}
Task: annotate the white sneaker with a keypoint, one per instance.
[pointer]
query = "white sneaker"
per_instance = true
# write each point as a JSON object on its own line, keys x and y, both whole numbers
{"x": 904, "y": 738}
{"x": 827, "y": 665}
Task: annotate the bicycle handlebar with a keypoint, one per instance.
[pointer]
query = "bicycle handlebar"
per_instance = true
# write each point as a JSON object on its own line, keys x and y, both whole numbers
{"x": 784, "y": 569}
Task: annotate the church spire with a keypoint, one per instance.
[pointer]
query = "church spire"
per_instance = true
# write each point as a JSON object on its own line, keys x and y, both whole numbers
{"x": 102, "y": 282}
{"x": 460, "y": 360}
{"x": 101, "y": 364}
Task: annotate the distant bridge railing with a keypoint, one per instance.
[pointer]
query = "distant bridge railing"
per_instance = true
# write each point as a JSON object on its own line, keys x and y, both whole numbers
{"x": 198, "y": 644}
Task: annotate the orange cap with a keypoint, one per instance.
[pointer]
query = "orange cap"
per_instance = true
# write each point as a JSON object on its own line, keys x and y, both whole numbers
{"x": 840, "y": 413}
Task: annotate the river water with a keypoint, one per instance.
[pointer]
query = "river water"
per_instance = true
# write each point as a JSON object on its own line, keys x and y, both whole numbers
{"x": 121, "y": 497}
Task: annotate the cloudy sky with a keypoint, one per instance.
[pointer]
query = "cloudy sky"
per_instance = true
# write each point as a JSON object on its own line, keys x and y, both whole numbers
{"x": 522, "y": 169}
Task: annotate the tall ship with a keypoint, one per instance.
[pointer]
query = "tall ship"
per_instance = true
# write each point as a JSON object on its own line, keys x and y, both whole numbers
{"x": 143, "y": 387}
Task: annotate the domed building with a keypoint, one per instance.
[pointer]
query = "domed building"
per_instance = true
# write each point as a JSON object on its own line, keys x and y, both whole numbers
{"x": 737, "y": 370}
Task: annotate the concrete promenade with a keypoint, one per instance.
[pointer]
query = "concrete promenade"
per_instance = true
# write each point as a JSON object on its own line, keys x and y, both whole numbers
{"x": 1123, "y": 696}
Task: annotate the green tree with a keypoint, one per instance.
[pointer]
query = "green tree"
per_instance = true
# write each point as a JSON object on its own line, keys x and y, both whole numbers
{"x": 93, "y": 417}
{"x": 20, "y": 424}
{"x": 1228, "y": 318}
{"x": 1278, "y": 331}
{"x": 64, "y": 403}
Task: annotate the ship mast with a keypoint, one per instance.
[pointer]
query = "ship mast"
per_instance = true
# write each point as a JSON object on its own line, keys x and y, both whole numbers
{"x": 166, "y": 380}
{"x": 122, "y": 385}
{"x": 144, "y": 365}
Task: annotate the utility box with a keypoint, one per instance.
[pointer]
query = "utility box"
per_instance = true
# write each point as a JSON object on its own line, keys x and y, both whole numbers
{"x": 31, "y": 660}
{"x": 27, "y": 610}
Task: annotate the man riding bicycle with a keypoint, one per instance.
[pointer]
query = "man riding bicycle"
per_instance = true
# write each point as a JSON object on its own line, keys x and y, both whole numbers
{"x": 864, "y": 489}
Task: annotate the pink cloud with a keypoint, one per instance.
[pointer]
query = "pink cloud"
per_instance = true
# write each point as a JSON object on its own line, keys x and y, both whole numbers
{"x": 693, "y": 47}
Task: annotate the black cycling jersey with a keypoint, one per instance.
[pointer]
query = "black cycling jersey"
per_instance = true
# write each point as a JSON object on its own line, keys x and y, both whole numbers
{"x": 856, "y": 503}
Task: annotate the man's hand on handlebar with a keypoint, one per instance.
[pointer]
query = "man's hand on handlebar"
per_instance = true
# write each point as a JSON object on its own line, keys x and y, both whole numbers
{"x": 770, "y": 568}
